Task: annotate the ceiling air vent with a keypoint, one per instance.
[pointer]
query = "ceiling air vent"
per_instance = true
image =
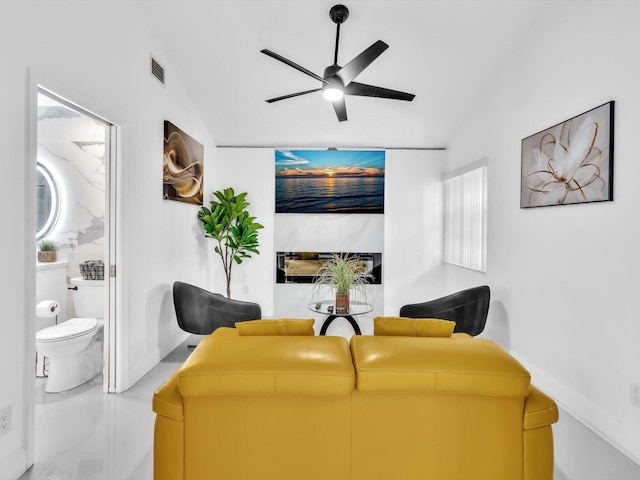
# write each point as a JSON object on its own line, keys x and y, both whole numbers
{"x": 157, "y": 70}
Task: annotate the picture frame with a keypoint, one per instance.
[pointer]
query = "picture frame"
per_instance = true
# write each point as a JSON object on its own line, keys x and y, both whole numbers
{"x": 571, "y": 162}
{"x": 329, "y": 181}
{"x": 183, "y": 165}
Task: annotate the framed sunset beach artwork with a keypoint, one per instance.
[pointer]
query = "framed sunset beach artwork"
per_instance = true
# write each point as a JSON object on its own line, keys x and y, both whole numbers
{"x": 329, "y": 181}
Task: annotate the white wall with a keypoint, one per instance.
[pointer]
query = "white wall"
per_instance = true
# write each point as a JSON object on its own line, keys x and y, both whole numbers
{"x": 413, "y": 228}
{"x": 96, "y": 54}
{"x": 564, "y": 279}
{"x": 247, "y": 170}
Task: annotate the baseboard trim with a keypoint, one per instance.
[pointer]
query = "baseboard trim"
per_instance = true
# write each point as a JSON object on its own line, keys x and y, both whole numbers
{"x": 14, "y": 465}
{"x": 601, "y": 423}
{"x": 154, "y": 357}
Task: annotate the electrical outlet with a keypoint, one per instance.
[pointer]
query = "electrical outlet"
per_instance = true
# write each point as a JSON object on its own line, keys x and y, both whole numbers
{"x": 5, "y": 420}
{"x": 635, "y": 394}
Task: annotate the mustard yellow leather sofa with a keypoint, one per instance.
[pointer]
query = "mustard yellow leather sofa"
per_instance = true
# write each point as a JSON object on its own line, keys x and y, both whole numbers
{"x": 376, "y": 407}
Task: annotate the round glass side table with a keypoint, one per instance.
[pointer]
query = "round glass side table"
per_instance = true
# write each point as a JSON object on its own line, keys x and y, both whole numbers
{"x": 328, "y": 308}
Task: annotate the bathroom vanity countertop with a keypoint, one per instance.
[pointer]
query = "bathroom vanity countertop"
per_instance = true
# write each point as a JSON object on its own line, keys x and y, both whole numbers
{"x": 49, "y": 265}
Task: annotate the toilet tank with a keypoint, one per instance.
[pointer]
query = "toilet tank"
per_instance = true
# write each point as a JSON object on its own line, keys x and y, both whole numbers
{"x": 88, "y": 299}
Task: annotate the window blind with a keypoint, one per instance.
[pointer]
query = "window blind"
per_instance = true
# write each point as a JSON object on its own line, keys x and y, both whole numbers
{"x": 465, "y": 215}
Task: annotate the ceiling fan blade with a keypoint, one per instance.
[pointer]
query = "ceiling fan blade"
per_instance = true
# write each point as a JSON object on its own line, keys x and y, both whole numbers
{"x": 341, "y": 109}
{"x": 291, "y": 95}
{"x": 364, "y": 90}
{"x": 291, "y": 64}
{"x": 352, "y": 69}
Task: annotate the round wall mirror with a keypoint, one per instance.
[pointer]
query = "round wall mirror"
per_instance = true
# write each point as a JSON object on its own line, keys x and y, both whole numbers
{"x": 47, "y": 202}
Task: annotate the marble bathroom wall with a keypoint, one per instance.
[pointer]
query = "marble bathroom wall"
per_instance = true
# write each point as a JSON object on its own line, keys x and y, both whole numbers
{"x": 72, "y": 147}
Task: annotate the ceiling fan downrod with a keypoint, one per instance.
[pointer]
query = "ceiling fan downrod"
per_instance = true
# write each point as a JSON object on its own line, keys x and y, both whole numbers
{"x": 339, "y": 15}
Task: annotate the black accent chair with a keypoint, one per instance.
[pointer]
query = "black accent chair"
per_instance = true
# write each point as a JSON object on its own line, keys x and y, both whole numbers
{"x": 468, "y": 308}
{"x": 201, "y": 312}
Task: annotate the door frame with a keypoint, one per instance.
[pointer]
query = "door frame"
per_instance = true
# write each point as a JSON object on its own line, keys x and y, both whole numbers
{"x": 113, "y": 379}
{"x": 112, "y": 370}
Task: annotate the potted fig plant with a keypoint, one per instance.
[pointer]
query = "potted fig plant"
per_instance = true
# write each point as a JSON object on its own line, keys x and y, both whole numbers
{"x": 343, "y": 275}
{"x": 47, "y": 251}
{"x": 235, "y": 232}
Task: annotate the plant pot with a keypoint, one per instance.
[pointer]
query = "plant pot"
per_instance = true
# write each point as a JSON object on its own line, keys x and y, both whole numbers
{"x": 342, "y": 303}
{"x": 48, "y": 256}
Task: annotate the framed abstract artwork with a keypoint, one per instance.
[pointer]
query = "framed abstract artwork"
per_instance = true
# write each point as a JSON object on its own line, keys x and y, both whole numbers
{"x": 571, "y": 162}
{"x": 182, "y": 167}
{"x": 329, "y": 181}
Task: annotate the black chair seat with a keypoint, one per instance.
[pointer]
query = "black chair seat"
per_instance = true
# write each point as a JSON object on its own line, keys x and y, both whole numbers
{"x": 468, "y": 308}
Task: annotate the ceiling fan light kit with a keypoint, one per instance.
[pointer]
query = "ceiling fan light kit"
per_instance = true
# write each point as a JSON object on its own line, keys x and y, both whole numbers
{"x": 332, "y": 94}
{"x": 333, "y": 89}
{"x": 338, "y": 81}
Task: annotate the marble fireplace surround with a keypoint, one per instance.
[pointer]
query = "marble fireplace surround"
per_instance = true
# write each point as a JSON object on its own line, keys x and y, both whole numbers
{"x": 324, "y": 233}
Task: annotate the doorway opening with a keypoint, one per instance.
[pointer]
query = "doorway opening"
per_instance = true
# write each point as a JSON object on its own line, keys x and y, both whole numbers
{"x": 76, "y": 208}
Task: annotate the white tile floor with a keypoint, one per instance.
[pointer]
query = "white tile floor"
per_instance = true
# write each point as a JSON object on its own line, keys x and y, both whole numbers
{"x": 84, "y": 434}
{"x": 87, "y": 435}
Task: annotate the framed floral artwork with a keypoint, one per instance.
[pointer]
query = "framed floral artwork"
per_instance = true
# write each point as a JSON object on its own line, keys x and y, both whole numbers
{"x": 571, "y": 162}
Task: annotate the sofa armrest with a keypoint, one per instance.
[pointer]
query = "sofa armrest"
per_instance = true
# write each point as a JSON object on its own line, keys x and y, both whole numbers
{"x": 225, "y": 332}
{"x": 539, "y": 410}
{"x": 167, "y": 400}
{"x": 168, "y": 442}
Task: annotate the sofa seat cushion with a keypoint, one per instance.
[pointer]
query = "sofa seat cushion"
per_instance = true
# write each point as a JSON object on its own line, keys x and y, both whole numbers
{"x": 446, "y": 365}
{"x": 262, "y": 365}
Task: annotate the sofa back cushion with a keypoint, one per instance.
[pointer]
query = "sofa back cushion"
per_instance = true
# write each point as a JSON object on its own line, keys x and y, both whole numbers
{"x": 413, "y": 327}
{"x": 281, "y": 326}
{"x": 268, "y": 365}
{"x": 447, "y": 365}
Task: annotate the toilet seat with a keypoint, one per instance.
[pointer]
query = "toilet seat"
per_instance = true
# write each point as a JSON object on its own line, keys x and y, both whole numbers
{"x": 72, "y": 328}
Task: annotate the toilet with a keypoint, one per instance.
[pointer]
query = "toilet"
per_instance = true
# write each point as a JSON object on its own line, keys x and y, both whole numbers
{"x": 75, "y": 347}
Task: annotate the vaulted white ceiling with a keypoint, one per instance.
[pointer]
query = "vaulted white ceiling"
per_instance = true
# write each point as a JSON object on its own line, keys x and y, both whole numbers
{"x": 446, "y": 52}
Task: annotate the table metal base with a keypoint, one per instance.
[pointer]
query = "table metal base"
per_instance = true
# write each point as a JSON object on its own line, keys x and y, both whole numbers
{"x": 332, "y": 317}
